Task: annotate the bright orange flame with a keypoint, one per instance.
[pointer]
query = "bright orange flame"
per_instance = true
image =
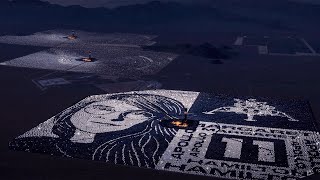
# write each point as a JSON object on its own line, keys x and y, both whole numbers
{"x": 72, "y": 37}
{"x": 179, "y": 124}
{"x": 87, "y": 59}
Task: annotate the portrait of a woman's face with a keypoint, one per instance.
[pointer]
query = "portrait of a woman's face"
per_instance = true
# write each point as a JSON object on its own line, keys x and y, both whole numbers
{"x": 119, "y": 128}
{"x": 107, "y": 116}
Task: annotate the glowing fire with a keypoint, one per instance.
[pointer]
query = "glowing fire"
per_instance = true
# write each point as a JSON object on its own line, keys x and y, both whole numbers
{"x": 72, "y": 37}
{"x": 179, "y": 123}
{"x": 87, "y": 59}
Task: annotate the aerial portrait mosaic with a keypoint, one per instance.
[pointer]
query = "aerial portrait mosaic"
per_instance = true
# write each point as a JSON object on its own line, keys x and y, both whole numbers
{"x": 235, "y": 137}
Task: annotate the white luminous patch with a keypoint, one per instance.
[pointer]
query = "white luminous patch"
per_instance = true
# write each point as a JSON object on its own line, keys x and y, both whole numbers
{"x": 53, "y": 38}
{"x": 43, "y": 39}
{"x": 266, "y": 151}
{"x": 251, "y": 108}
{"x": 115, "y": 55}
{"x": 233, "y": 147}
{"x": 210, "y": 151}
{"x": 125, "y": 129}
{"x": 53, "y": 82}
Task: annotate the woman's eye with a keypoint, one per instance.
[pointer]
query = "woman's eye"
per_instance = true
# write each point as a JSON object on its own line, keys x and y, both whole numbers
{"x": 103, "y": 108}
{"x": 138, "y": 113}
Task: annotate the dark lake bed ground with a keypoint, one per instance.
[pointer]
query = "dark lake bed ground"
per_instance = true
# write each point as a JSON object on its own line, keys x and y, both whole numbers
{"x": 246, "y": 73}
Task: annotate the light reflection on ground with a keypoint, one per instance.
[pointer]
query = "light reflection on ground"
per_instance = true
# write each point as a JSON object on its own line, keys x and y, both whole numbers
{"x": 116, "y": 55}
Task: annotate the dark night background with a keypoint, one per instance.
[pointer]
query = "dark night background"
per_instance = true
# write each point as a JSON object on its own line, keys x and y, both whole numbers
{"x": 23, "y": 106}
